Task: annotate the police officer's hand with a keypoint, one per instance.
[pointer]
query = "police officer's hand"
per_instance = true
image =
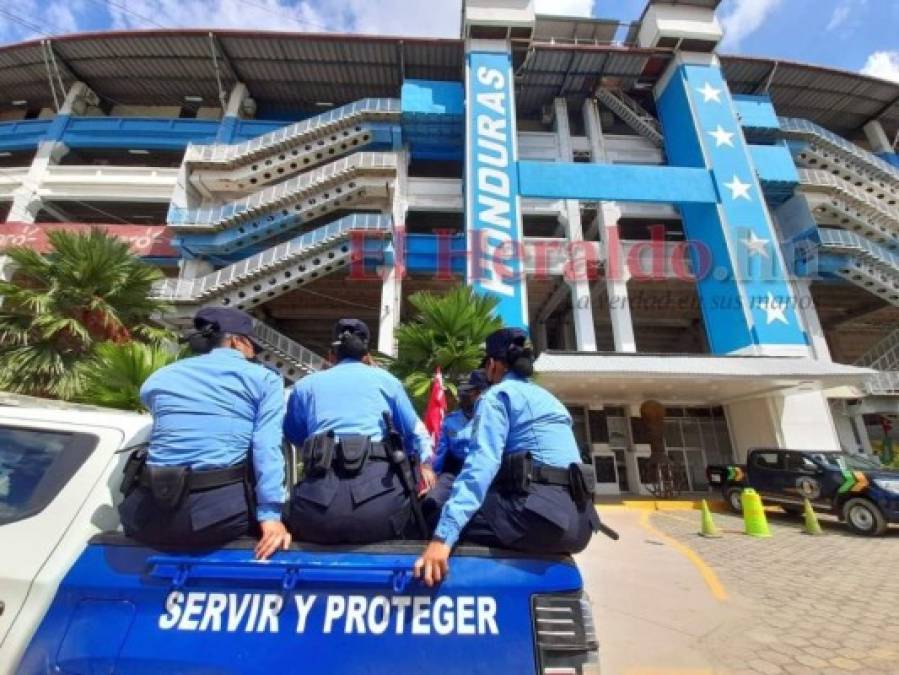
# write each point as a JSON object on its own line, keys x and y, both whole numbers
{"x": 428, "y": 479}
{"x": 274, "y": 536}
{"x": 433, "y": 565}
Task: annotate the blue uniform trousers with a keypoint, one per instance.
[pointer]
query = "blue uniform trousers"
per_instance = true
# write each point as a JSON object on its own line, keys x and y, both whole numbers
{"x": 205, "y": 518}
{"x": 545, "y": 519}
{"x": 336, "y": 508}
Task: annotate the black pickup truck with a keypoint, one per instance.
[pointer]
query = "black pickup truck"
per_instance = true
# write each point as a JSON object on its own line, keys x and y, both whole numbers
{"x": 855, "y": 488}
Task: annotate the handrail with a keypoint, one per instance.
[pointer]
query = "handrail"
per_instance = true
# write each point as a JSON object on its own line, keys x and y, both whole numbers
{"x": 292, "y": 132}
{"x": 792, "y": 125}
{"x": 281, "y": 254}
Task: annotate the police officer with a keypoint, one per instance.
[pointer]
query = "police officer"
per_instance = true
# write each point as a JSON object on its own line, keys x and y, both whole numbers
{"x": 455, "y": 434}
{"x": 522, "y": 485}
{"x": 452, "y": 448}
{"x": 352, "y": 491}
{"x": 214, "y": 466}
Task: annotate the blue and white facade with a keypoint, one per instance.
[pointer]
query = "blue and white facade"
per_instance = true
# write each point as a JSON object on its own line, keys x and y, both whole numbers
{"x": 663, "y": 229}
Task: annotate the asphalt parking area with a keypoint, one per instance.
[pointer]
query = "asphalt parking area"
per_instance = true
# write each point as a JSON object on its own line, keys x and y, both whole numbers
{"x": 791, "y": 603}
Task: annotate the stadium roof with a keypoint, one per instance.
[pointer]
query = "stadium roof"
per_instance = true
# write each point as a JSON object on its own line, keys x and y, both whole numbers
{"x": 568, "y": 57}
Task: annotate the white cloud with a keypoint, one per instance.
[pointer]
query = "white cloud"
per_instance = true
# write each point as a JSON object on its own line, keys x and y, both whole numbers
{"x": 565, "y": 7}
{"x": 387, "y": 17}
{"x": 840, "y": 13}
{"x": 746, "y": 17}
{"x": 884, "y": 64}
{"x": 847, "y": 15}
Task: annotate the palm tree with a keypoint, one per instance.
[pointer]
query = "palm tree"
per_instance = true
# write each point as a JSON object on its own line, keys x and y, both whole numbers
{"x": 87, "y": 290}
{"x": 447, "y": 331}
{"x": 113, "y": 377}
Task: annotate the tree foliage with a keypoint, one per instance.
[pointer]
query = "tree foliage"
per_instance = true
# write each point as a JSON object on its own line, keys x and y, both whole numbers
{"x": 448, "y": 330}
{"x": 113, "y": 377}
{"x": 89, "y": 289}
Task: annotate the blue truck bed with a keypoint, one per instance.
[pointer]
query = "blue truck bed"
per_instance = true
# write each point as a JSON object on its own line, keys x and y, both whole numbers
{"x": 127, "y": 608}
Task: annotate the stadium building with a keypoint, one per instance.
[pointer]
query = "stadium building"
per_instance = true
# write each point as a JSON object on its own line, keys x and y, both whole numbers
{"x": 714, "y": 232}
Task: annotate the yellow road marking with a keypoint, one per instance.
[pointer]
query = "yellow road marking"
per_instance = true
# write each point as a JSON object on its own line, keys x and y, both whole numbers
{"x": 707, "y": 573}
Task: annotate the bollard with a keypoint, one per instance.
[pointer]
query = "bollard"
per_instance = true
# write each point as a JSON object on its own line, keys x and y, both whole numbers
{"x": 812, "y": 526}
{"x": 707, "y": 524}
{"x": 754, "y": 519}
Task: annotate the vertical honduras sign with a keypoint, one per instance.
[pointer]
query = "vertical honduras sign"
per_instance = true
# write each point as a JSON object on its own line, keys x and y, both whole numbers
{"x": 492, "y": 213}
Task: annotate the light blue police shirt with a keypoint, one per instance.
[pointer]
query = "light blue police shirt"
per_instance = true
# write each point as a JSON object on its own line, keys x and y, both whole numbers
{"x": 455, "y": 436}
{"x": 515, "y": 415}
{"x": 351, "y": 398}
{"x": 209, "y": 410}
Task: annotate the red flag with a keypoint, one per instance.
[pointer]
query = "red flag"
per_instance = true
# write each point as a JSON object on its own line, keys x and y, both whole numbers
{"x": 436, "y": 409}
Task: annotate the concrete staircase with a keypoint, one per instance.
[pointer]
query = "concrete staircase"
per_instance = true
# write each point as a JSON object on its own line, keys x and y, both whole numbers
{"x": 631, "y": 113}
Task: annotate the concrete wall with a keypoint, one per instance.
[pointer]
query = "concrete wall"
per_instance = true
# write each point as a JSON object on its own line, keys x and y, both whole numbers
{"x": 800, "y": 420}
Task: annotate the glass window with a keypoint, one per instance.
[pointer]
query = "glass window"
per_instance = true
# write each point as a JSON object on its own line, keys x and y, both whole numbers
{"x": 768, "y": 460}
{"x": 599, "y": 427}
{"x": 617, "y": 432}
{"x": 605, "y": 469}
{"x": 673, "y": 437}
{"x": 34, "y": 466}
{"x": 796, "y": 461}
{"x": 841, "y": 460}
{"x": 579, "y": 427}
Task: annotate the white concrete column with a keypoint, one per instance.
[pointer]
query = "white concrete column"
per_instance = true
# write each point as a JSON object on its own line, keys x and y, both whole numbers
{"x": 877, "y": 137}
{"x": 236, "y": 99}
{"x": 193, "y": 268}
{"x": 800, "y": 420}
{"x": 392, "y": 284}
{"x": 617, "y": 275}
{"x": 858, "y": 421}
{"x": 606, "y": 228}
{"x": 80, "y": 100}
{"x": 809, "y": 314}
{"x": 7, "y": 268}
{"x": 26, "y": 203}
{"x": 581, "y": 302}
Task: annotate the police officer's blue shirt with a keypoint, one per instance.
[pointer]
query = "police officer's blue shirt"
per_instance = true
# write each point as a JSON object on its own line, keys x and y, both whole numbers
{"x": 350, "y": 398}
{"x": 455, "y": 437}
{"x": 515, "y": 415}
{"x": 209, "y": 410}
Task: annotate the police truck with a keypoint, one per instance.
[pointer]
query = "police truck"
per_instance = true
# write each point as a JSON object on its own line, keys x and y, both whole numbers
{"x": 77, "y": 596}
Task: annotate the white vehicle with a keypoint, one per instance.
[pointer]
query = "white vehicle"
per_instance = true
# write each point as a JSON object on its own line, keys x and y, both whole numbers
{"x": 77, "y": 596}
{"x": 60, "y": 465}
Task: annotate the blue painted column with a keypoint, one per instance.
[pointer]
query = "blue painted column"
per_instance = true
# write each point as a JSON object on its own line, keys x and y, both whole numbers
{"x": 747, "y": 300}
{"x": 492, "y": 209}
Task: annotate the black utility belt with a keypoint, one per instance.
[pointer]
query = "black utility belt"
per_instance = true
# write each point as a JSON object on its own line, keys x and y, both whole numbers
{"x": 194, "y": 480}
{"x": 519, "y": 471}
{"x": 169, "y": 484}
{"x": 323, "y": 452}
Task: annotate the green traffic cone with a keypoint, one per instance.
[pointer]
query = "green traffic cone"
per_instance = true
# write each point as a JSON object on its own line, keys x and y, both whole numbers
{"x": 812, "y": 526}
{"x": 707, "y": 527}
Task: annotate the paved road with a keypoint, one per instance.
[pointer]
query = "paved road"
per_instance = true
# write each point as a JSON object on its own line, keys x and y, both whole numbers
{"x": 789, "y": 604}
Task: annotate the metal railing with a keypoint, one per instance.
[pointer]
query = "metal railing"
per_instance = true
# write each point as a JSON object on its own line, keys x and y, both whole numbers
{"x": 274, "y": 195}
{"x": 792, "y": 126}
{"x": 632, "y": 113}
{"x": 816, "y": 178}
{"x": 852, "y": 242}
{"x": 299, "y": 356}
{"x": 276, "y": 256}
{"x": 367, "y": 107}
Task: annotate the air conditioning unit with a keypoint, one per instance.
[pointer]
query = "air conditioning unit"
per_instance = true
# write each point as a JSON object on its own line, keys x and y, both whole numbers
{"x": 682, "y": 27}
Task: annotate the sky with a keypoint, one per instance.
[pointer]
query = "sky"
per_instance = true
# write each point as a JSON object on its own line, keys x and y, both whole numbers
{"x": 856, "y": 35}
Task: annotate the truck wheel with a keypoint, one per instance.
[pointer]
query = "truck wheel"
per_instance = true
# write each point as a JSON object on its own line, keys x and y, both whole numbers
{"x": 733, "y": 497}
{"x": 864, "y": 517}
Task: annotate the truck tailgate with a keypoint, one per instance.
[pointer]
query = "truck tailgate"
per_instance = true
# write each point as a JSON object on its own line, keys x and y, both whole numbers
{"x": 127, "y": 608}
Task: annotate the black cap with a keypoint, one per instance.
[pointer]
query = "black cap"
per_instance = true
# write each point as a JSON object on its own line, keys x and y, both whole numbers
{"x": 498, "y": 342}
{"x": 476, "y": 380}
{"x": 228, "y": 320}
{"x": 354, "y": 326}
